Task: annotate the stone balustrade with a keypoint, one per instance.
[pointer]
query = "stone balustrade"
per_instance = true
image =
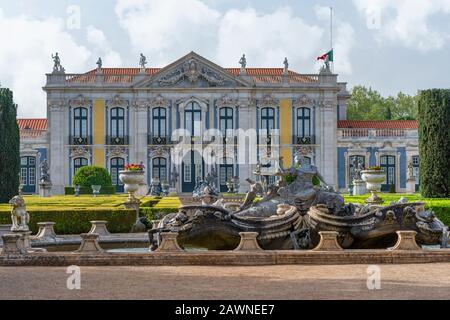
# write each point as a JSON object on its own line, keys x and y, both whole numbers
{"x": 89, "y": 243}
{"x": 45, "y": 230}
{"x": 328, "y": 242}
{"x": 169, "y": 242}
{"x": 99, "y": 227}
{"x": 248, "y": 242}
{"x": 406, "y": 241}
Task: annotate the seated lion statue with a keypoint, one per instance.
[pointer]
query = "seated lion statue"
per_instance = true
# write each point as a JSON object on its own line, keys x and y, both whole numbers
{"x": 19, "y": 215}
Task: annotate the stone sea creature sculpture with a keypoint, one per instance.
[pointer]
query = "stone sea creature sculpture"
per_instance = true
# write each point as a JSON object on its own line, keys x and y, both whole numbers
{"x": 291, "y": 215}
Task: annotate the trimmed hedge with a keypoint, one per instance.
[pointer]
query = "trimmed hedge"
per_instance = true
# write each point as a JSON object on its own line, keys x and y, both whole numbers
{"x": 92, "y": 175}
{"x": 78, "y": 221}
{"x": 88, "y": 190}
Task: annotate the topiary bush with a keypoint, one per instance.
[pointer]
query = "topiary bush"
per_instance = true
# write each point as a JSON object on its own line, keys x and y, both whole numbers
{"x": 9, "y": 147}
{"x": 434, "y": 143}
{"x": 92, "y": 175}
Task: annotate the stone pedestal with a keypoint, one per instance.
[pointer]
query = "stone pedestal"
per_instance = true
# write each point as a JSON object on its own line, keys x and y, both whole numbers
{"x": 24, "y": 239}
{"x": 45, "y": 189}
{"x": 411, "y": 185}
{"x": 328, "y": 241}
{"x": 359, "y": 187}
{"x": 12, "y": 244}
{"x": 46, "y": 230}
{"x": 99, "y": 227}
{"x": 169, "y": 242}
{"x": 406, "y": 241}
{"x": 248, "y": 242}
{"x": 89, "y": 243}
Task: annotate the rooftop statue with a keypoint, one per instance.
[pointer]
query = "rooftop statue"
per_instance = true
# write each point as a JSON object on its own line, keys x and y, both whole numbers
{"x": 243, "y": 62}
{"x": 292, "y": 212}
{"x": 142, "y": 61}
{"x": 286, "y": 65}
{"x": 99, "y": 63}
{"x": 57, "y": 67}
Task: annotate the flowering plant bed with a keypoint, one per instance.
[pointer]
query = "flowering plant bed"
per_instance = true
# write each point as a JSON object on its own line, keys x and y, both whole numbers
{"x": 134, "y": 167}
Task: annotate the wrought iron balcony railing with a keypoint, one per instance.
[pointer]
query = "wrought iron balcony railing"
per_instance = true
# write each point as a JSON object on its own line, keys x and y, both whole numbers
{"x": 117, "y": 141}
{"x": 303, "y": 140}
{"x": 80, "y": 140}
{"x": 159, "y": 140}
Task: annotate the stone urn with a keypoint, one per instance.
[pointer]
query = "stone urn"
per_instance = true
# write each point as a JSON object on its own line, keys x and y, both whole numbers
{"x": 373, "y": 179}
{"x": 132, "y": 179}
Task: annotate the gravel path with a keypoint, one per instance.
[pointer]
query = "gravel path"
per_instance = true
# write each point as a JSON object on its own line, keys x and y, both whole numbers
{"x": 425, "y": 281}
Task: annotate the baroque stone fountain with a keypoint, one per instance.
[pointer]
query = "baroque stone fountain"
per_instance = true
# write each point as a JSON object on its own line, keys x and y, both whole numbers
{"x": 291, "y": 214}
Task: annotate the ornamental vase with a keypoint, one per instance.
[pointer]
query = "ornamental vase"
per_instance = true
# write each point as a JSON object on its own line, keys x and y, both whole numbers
{"x": 131, "y": 181}
{"x": 373, "y": 179}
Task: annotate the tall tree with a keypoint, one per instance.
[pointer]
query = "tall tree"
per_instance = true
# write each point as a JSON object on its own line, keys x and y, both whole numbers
{"x": 368, "y": 104}
{"x": 434, "y": 142}
{"x": 9, "y": 146}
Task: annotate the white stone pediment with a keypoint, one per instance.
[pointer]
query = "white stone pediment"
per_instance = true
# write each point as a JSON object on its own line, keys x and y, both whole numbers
{"x": 191, "y": 71}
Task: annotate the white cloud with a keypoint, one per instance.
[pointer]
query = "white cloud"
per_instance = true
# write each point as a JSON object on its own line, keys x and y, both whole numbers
{"x": 407, "y": 22}
{"x": 343, "y": 40}
{"x": 166, "y": 30}
{"x": 267, "y": 38}
{"x": 25, "y": 57}
{"x": 101, "y": 47}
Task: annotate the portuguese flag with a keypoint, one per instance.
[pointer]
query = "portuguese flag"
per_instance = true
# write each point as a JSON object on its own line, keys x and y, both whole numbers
{"x": 328, "y": 55}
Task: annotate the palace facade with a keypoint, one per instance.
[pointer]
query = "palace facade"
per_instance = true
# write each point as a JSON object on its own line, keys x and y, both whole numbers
{"x": 194, "y": 117}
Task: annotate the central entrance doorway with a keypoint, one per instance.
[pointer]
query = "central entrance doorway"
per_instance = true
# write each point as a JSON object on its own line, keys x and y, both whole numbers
{"x": 192, "y": 168}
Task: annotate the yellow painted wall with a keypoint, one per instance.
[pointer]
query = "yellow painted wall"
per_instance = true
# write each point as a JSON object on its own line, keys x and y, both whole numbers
{"x": 98, "y": 152}
{"x": 286, "y": 131}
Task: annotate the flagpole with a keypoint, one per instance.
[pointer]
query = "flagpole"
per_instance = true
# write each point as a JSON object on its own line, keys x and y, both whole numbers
{"x": 331, "y": 35}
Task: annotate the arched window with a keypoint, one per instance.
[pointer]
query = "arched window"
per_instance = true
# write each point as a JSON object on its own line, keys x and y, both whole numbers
{"x": 159, "y": 169}
{"x": 80, "y": 131}
{"x": 117, "y": 164}
{"x": 226, "y": 172}
{"x": 303, "y": 122}
{"x": 79, "y": 163}
{"x": 28, "y": 174}
{"x": 117, "y": 123}
{"x": 226, "y": 121}
{"x": 267, "y": 120}
{"x": 159, "y": 122}
{"x": 193, "y": 118}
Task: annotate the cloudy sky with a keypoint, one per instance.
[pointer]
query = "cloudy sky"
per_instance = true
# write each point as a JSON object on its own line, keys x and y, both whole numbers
{"x": 392, "y": 46}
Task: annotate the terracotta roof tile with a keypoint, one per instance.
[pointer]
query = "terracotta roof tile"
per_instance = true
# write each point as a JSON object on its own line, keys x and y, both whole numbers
{"x": 381, "y": 124}
{"x": 125, "y": 75}
{"x": 32, "y": 124}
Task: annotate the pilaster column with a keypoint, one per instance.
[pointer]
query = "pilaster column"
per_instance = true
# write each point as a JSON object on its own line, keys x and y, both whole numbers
{"x": 57, "y": 152}
{"x": 139, "y": 132}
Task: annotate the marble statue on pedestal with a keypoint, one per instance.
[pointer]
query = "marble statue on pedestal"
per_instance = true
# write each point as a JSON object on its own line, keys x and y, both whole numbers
{"x": 19, "y": 215}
